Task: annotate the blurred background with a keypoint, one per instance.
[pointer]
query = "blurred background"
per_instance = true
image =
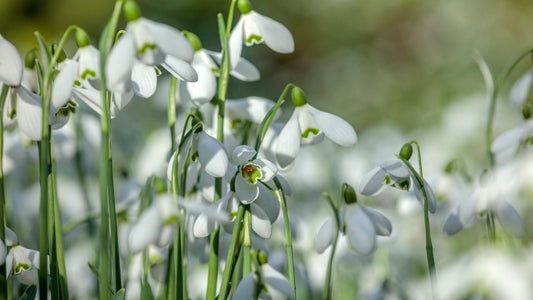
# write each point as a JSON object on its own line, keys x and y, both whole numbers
{"x": 395, "y": 70}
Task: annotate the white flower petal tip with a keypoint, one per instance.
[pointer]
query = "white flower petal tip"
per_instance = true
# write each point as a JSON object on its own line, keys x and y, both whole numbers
{"x": 29, "y": 113}
{"x": 62, "y": 87}
{"x": 120, "y": 63}
{"x": 146, "y": 231}
{"x": 372, "y": 183}
{"x": 453, "y": 224}
{"x": 509, "y": 218}
{"x": 11, "y": 66}
{"x": 212, "y": 155}
{"x": 246, "y": 289}
{"x": 336, "y": 129}
{"x": 276, "y": 36}
{"x": 325, "y": 235}
{"x": 246, "y": 191}
{"x": 277, "y": 281}
{"x": 242, "y": 154}
{"x": 360, "y": 230}
{"x": 143, "y": 80}
{"x": 381, "y": 223}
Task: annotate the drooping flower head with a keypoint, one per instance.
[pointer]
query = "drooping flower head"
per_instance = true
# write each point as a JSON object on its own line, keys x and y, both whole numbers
{"x": 308, "y": 125}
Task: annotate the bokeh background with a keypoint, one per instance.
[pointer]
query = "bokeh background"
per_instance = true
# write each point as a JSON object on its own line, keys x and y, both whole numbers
{"x": 395, "y": 70}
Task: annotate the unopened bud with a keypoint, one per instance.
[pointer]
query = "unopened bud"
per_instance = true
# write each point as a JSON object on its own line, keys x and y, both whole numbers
{"x": 298, "y": 96}
{"x": 406, "y": 151}
{"x": 350, "y": 196}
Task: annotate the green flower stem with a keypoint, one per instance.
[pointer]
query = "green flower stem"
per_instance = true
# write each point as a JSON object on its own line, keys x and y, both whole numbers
{"x": 247, "y": 243}
{"x": 213, "y": 264}
{"x": 4, "y": 291}
{"x": 44, "y": 164}
{"x": 267, "y": 120}
{"x": 288, "y": 234}
{"x": 172, "y": 113}
{"x": 58, "y": 232}
{"x": 327, "y": 287}
{"x": 429, "y": 245}
{"x": 106, "y": 42}
{"x": 230, "y": 258}
{"x": 115, "y": 254}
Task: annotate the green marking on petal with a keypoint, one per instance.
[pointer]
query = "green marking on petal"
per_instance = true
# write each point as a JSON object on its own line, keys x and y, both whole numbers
{"x": 387, "y": 179}
{"x": 171, "y": 220}
{"x": 254, "y": 38}
{"x": 12, "y": 114}
{"x": 314, "y": 131}
{"x": 77, "y": 83}
{"x": 233, "y": 214}
{"x": 235, "y": 123}
{"x": 146, "y": 47}
{"x": 88, "y": 72}
{"x": 194, "y": 156}
{"x": 254, "y": 175}
{"x": 21, "y": 267}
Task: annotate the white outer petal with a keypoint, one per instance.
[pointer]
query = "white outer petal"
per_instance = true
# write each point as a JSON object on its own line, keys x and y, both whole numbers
{"x": 146, "y": 230}
{"x": 505, "y": 146}
{"x": 179, "y": 68}
{"x": 335, "y": 128}
{"x": 62, "y": 87}
{"x": 245, "y": 71}
{"x": 268, "y": 202}
{"x": 520, "y": 90}
{"x": 212, "y": 155}
{"x": 325, "y": 236}
{"x": 260, "y": 221}
{"x": 509, "y": 218}
{"x": 245, "y": 191}
{"x": 29, "y": 113}
{"x": 461, "y": 216}
{"x": 91, "y": 97}
{"x": 381, "y": 222}
{"x": 372, "y": 182}
{"x": 120, "y": 63}
{"x": 11, "y": 66}
{"x": 144, "y": 80}
{"x": 268, "y": 169}
{"x": 396, "y": 169}
{"x": 359, "y": 230}
{"x": 201, "y": 91}
{"x": 246, "y": 289}
{"x": 235, "y": 42}
{"x": 277, "y": 281}
{"x": 276, "y": 36}
{"x": 288, "y": 142}
{"x": 242, "y": 154}
{"x": 170, "y": 40}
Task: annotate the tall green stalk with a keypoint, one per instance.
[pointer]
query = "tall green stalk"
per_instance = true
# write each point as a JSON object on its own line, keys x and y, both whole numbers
{"x": 4, "y": 291}
{"x": 230, "y": 258}
{"x": 329, "y": 271}
{"x": 106, "y": 42}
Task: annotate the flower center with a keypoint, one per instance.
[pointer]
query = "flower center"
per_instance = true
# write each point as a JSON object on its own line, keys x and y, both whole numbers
{"x": 251, "y": 172}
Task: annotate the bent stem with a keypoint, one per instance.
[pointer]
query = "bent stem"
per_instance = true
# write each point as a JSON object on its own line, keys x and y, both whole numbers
{"x": 288, "y": 234}
{"x": 429, "y": 245}
{"x": 327, "y": 288}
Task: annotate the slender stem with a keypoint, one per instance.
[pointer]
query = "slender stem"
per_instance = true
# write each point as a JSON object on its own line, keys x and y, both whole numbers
{"x": 288, "y": 234}
{"x": 267, "y": 120}
{"x": 327, "y": 288}
{"x": 235, "y": 236}
{"x": 247, "y": 243}
{"x": 115, "y": 254}
{"x": 4, "y": 292}
{"x": 429, "y": 245}
{"x": 213, "y": 264}
{"x": 172, "y": 113}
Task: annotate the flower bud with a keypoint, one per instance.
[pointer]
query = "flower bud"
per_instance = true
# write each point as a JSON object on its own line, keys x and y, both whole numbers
{"x": 82, "y": 39}
{"x": 349, "y": 194}
{"x": 244, "y": 6}
{"x": 406, "y": 151}
{"x": 29, "y": 59}
{"x": 298, "y": 96}
{"x": 193, "y": 39}
{"x": 526, "y": 113}
{"x": 131, "y": 10}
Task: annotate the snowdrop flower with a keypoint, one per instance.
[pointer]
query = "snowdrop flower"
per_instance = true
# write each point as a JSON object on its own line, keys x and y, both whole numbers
{"x": 205, "y": 64}
{"x": 254, "y": 28}
{"x": 360, "y": 224}
{"x": 489, "y": 196}
{"x": 22, "y": 263}
{"x": 274, "y": 284}
{"x": 251, "y": 173}
{"x": 395, "y": 173}
{"x": 308, "y": 125}
{"x": 520, "y": 90}
{"x": 151, "y": 44}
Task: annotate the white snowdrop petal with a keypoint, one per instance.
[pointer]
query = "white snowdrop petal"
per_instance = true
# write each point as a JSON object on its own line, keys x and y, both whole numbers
{"x": 242, "y": 154}
{"x": 268, "y": 202}
{"x": 146, "y": 230}
{"x": 372, "y": 182}
{"x": 170, "y": 40}
{"x": 245, "y": 71}
{"x": 3, "y": 253}
{"x": 246, "y": 289}
{"x": 335, "y": 128}
{"x": 359, "y": 230}
{"x": 509, "y": 218}
{"x": 62, "y": 87}
{"x": 268, "y": 169}
{"x": 505, "y": 146}
{"x": 453, "y": 224}
{"x": 235, "y": 42}
{"x": 396, "y": 169}
{"x": 288, "y": 142}
{"x": 212, "y": 155}
{"x": 144, "y": 80}
{"x": 432, "y": 201}
{"x": 245, "y": 191}
{"x": 11, "y": 66}
{"x": 203, "y": 226}
{"x": 275, "y": 280}
{"x": 120, "y": 63}
{"x": 119, "y": 101}
{"x": 520, "y": 90}
{"x": 29, "y": 113}
{"x": 381, "y": 222}
{"x": 180, "y": 69}
{"x": 11, "y": 237}
{"x": 91, "y": 97}
{"x": 325, "y": 235}
{"x": 201, "y": 91}
{"x": 260, "y": 221}
{"x": 276, "y": 36}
